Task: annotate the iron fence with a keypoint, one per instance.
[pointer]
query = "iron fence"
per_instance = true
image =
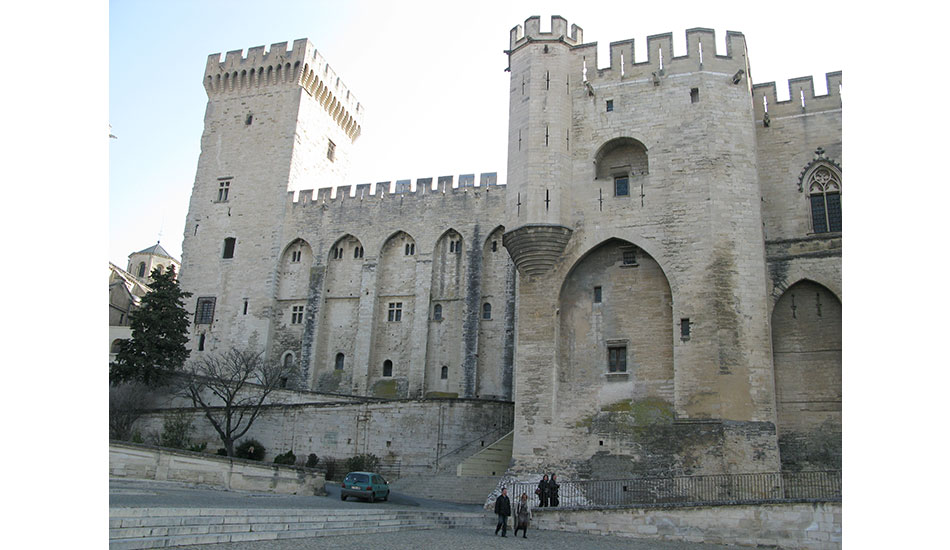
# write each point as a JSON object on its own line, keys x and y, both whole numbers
{"x": 693, "y": 490}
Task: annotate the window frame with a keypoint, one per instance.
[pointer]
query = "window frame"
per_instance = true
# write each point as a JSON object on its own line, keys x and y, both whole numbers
{"x": 626, "y": 182}
{"x": 612, "y": 366}
{"x": 206, "y": 312}
{"x": 394, "y": 312}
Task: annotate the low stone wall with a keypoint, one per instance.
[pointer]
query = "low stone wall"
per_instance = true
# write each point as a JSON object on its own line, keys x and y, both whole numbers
{"x": 812, "y": 526}
{"x": 412, "y": 432}
{"x": 160, "y": 464}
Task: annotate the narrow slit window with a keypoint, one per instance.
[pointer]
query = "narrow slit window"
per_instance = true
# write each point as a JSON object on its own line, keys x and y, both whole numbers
{"x": 694, "y": 95}
{"x": 387, "y": 368}
{"x": 598, "y": 294}
{"x": 610, "y": 105}
{"x": 684, "y": 328}
{"x": 486, "y": 311}
{"x": 229, "y": 247}
{"x": 445, "y": 373}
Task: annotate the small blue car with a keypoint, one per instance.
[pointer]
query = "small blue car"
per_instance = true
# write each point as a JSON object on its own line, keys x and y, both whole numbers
{"x": 364, "y": 485}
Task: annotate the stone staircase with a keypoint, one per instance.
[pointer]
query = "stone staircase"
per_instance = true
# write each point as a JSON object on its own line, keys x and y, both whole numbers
{"x": 448, "y": 487}
{"x": 133, "y": 528}
{"x": 493, "y": 460}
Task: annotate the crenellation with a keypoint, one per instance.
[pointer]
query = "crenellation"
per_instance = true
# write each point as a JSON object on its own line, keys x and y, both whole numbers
{"x": 324, "y": 195}
{"x": 661, "y": 59}
{"x": 801, "y": 89}
{"x": 532, "y": 32}
{"x": 632, "y": 245}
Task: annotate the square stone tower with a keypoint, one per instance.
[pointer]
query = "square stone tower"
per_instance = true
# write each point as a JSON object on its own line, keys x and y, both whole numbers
{"x": 276, "y": 121}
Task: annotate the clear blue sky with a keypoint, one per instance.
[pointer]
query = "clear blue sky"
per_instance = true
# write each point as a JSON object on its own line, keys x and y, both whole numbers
{"x": 430, "y": 76}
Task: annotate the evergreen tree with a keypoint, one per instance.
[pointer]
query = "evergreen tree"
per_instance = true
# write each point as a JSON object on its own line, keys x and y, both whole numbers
{"x": 159, "y": 334}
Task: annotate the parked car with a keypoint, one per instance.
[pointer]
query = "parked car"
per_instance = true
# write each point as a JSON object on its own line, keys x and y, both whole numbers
{"x": 364, "y": 485}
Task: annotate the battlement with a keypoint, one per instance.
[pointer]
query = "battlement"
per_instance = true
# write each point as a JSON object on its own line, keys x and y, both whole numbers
{"x": 662, "y": 61}
{"x": 532, "y": 32}
{"x": 301, "y": 66}
{"x": 384, "y": 190}
{"x": 802, "y": 98}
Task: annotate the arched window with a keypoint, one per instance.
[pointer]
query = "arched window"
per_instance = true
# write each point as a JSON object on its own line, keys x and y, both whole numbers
{"x": 288, "y": 360}
{"x": 486, "y": 311}
{"x": 437, "y": 312}
{"x": 141, "y": 269}
{"x": 445, "y": 373}
{"x": 339, "y": 361}
{"x": 229, "y": 247}
{"x": 824, "y": 195}
{"x": 387, "y": 368}
{"x": 201, "y": 343}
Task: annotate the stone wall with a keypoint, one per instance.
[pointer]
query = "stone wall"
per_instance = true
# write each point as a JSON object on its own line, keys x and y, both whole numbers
{"x": 416, "y": 433}
{"x": 161, "y": 464}
{"x": 800, "y": 526}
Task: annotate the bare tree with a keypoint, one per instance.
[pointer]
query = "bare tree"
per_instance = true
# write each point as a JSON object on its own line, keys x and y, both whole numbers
{"x": 127, "y": 401}
{"x": 231, "y": 389}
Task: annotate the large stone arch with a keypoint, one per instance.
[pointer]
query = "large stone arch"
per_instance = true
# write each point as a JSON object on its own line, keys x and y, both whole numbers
{"x": 620, "y": 156}
{"x": 395, "y": 306}
{"x": 806, "y": 351}
{"x": 444, "y": 341}
{"x": 614, "y": 305}
{"x": 293, "y": 274}
{"x": 495, "y": 334}
{"x": 339, "y": 314}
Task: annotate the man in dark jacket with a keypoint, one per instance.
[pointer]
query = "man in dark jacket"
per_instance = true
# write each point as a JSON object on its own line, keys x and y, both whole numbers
{"x": 502, "y": 510}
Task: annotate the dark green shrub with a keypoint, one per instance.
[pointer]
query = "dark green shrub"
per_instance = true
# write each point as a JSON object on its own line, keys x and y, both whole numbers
{"x": 362, "y": 463}
{"x": 250, "y": 449}
{"x": 288, "y": 458}
{"x": 311, "y": 460}
{"x": 176, "y": 430}
{"x": 222, "y": 452}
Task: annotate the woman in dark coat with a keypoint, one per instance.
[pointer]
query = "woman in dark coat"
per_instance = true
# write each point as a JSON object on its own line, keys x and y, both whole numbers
{"x": 542, "y": 491}
{"x": 552, "y": 490}
{"x": 523, "y": 516}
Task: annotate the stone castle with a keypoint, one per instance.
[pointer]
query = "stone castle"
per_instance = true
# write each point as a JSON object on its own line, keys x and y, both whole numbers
{"x": 657, "y": 287}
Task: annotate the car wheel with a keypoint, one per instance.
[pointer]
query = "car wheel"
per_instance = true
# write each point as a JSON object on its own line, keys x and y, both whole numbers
{"x": 342, "y": 496}
{"x": 386, "y": 498}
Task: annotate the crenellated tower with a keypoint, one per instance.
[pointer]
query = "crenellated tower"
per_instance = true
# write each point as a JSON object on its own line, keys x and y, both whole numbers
{"x": 634, "y": 218}
{"x": 277, "y": 120}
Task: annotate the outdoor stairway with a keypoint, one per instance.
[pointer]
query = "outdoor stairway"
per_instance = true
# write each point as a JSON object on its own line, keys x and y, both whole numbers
{"x": 448, "y": 487}
{"x": 132, "y": 528}
{"x": 493, "y": 460}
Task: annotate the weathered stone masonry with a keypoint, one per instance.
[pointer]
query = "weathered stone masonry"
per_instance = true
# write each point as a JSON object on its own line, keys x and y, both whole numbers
{"x": 657, "y": 287}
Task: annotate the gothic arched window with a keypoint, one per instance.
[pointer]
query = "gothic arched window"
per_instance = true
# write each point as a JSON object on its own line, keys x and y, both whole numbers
{"x": 824, "y": 195}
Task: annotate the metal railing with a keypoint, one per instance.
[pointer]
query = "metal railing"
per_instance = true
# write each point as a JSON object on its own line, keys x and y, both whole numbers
{"x": 693, "y": 490}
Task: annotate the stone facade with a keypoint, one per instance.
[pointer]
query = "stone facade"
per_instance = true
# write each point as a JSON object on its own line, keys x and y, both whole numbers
{"x": 638, "y": 288}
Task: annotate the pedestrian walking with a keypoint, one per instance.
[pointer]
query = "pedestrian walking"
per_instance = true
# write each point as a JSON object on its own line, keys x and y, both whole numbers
{"x": 542, "y": 492}
{"x": 553, "y": 490}
{"x": 502, "y": 510}
{"x": 523, "y": 516}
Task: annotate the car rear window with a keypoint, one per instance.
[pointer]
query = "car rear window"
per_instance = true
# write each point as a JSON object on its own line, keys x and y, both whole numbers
{"x": 357, "y": 478}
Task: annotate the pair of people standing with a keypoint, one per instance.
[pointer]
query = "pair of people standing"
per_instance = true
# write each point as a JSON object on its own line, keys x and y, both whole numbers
{"x": 522, "y": 514}
{"x": 547, "y": 491}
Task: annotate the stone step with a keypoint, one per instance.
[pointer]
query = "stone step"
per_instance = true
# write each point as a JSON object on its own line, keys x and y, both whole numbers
{"x": 159, "y": 528}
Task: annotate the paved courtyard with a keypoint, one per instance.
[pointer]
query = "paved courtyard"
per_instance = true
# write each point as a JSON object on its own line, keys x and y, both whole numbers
{"x": 137, "y": 494}
{"x": 462, "y": 539}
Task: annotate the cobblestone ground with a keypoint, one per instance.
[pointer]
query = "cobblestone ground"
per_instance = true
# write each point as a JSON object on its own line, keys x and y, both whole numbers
{"x": 462, "y": 539}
